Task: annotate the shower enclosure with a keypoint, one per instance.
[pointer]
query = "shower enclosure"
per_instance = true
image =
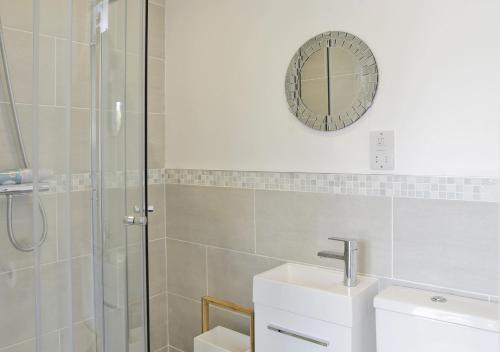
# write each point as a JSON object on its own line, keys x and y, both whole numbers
{"x": 73, "y": 229}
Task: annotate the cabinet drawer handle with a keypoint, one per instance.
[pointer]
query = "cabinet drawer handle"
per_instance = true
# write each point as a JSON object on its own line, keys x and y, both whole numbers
{"x": 298, "y": 335}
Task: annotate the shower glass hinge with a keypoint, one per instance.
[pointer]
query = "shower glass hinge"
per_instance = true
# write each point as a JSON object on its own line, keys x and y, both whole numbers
{"x": 102, "y": 15}
{"x": 150, "y": 209}
{"x": 135, "y": 220}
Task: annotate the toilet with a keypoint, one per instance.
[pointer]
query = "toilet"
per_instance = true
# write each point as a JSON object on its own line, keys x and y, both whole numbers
{"x": 411, "y": 320}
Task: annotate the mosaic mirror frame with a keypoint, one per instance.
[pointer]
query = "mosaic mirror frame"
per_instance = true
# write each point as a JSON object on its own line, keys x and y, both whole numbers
{"x": 367, "y": 76}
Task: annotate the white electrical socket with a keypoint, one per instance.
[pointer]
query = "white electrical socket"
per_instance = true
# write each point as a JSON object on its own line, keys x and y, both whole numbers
{"x": 382, "y": 150}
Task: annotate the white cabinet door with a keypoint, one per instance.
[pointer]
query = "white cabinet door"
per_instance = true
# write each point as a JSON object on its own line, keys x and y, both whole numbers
{"x": 280, "y": 331}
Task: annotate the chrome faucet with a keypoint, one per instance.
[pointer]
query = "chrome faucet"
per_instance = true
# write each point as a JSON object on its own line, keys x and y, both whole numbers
{"x": 350, "y": 258}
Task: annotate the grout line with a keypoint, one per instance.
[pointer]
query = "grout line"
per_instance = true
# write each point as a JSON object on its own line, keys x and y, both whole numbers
{"x": 59, "y": 331}
{"x": 184, "y": 297}
{"x": 255, "y": 221}
{"x": 450, "y": 290}
{"x": 156, "y": 295}
{"x": 43, "y": 35}
{"x": 163, "y": 202}
{"x": 57, "y": 230}
{"x": 156, "y": 57}
{"x": 392, "y": 237}
{"x": 59, "y": 339}
{"x": 167, "y": 322}
{"x": 55, "y": 73}
{"x": 152, "y": 2}
{"x": 29, "y": 105}
{"x": 61, "y": 261}
{"x": 206, "y": 268}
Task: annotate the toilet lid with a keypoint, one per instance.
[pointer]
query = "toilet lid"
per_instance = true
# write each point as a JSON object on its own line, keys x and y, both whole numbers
{"x": 439, "y": 306}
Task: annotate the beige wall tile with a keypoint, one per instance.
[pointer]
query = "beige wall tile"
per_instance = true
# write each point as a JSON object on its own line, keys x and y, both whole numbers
{"x": 156, "y": 219}
{"x": 12, "y": 259}
{"x": 134, "y": 86}
{"x": 230, "y": 320}
{"x": 222, "y": 217}
{"x": 80, "y": 224}
{"x": 82, "y": 12}
{"x": 186, "y": 269}
{"x": 17, "y": 304}
{"x": 156, "y": 32}
{"x": 51, "y": 148}
{"x": 17, "y": 14}
{"x": 80, "y": 89}
{"x": 134, "y": 26}
{"x": 53, "y": 19}
{"x": 184, "y": 322}
{"x": 156, "y": 141}
{"x": 82, "y": 286}
{"x": 156, "y": 86}
{"x": 230, "y": 274}
{"x": 158, "y": 323}
{"x": 296, "y": 226}
{"x": 9, "y": 158}
{"x": 157, "y": 267}
{"x": 134, "y": 147}
{"x": 50, "y": 342}
{"x": 83, "y": 336}
{"x": 135, "y": 275}
{"x": 80, "y": 141}
{"x": 447, "y": 243}
{"x": 19, "y": 48}
{"x": 115, "y": 207}
{"x": 157, "y": 2}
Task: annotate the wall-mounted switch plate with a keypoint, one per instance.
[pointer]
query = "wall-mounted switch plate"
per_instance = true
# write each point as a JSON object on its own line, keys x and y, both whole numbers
{"x": 382, "y": 150}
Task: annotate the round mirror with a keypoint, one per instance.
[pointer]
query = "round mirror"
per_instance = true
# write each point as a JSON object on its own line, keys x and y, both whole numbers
{"x": 331, "y": 81}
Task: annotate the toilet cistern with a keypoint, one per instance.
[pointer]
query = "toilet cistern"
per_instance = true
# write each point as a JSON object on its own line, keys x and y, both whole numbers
{"x": 350, "y": 258}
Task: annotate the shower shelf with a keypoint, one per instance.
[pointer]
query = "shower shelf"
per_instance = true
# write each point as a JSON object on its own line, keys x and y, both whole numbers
{"x": 24, "y": 188}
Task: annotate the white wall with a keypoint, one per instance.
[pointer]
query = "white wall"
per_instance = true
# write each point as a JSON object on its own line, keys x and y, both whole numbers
{"x": 439, "y": 63}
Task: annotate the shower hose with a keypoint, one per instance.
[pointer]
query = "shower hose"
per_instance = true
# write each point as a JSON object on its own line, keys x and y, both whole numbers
{"x": 10, "y": 227}
{"x": 10, "y": 200}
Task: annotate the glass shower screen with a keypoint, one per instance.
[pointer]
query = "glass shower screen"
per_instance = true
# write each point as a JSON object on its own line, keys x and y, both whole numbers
{"x": 119, "y": 174}
{"x": 73, "y": 255}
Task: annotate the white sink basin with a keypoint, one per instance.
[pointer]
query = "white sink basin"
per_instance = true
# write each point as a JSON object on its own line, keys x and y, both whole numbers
{"x": 316, "y": 293}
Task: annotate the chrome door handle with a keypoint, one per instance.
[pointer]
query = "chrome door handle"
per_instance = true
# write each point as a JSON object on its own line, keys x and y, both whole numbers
{"x": 298, "y": 335}
{"x": 135, "y": 220}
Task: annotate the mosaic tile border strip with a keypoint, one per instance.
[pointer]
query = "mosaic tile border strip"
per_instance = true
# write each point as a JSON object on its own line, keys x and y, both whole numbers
{"x": 404, "y": 186}
{"x": 83, "y": 181}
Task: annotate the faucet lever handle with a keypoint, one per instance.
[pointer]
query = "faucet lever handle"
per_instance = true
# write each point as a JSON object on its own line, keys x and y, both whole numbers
{"x": 350, "y": 244}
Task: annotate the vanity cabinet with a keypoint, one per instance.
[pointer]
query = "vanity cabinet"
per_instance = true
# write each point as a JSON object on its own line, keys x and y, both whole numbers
{"x": 300, "y": 308}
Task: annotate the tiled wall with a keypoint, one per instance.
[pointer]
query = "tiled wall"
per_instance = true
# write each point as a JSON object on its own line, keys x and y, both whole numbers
{"x": 156, "y": 152}
{"x": 218, "y": 237}
{"x": 16, "y": 268}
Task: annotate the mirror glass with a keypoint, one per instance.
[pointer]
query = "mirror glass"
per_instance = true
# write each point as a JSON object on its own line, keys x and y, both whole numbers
{"x": 331, "y": 81}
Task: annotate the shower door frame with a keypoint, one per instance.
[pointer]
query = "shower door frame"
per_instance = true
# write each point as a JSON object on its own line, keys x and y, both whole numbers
{"x": 97, "y": 181}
